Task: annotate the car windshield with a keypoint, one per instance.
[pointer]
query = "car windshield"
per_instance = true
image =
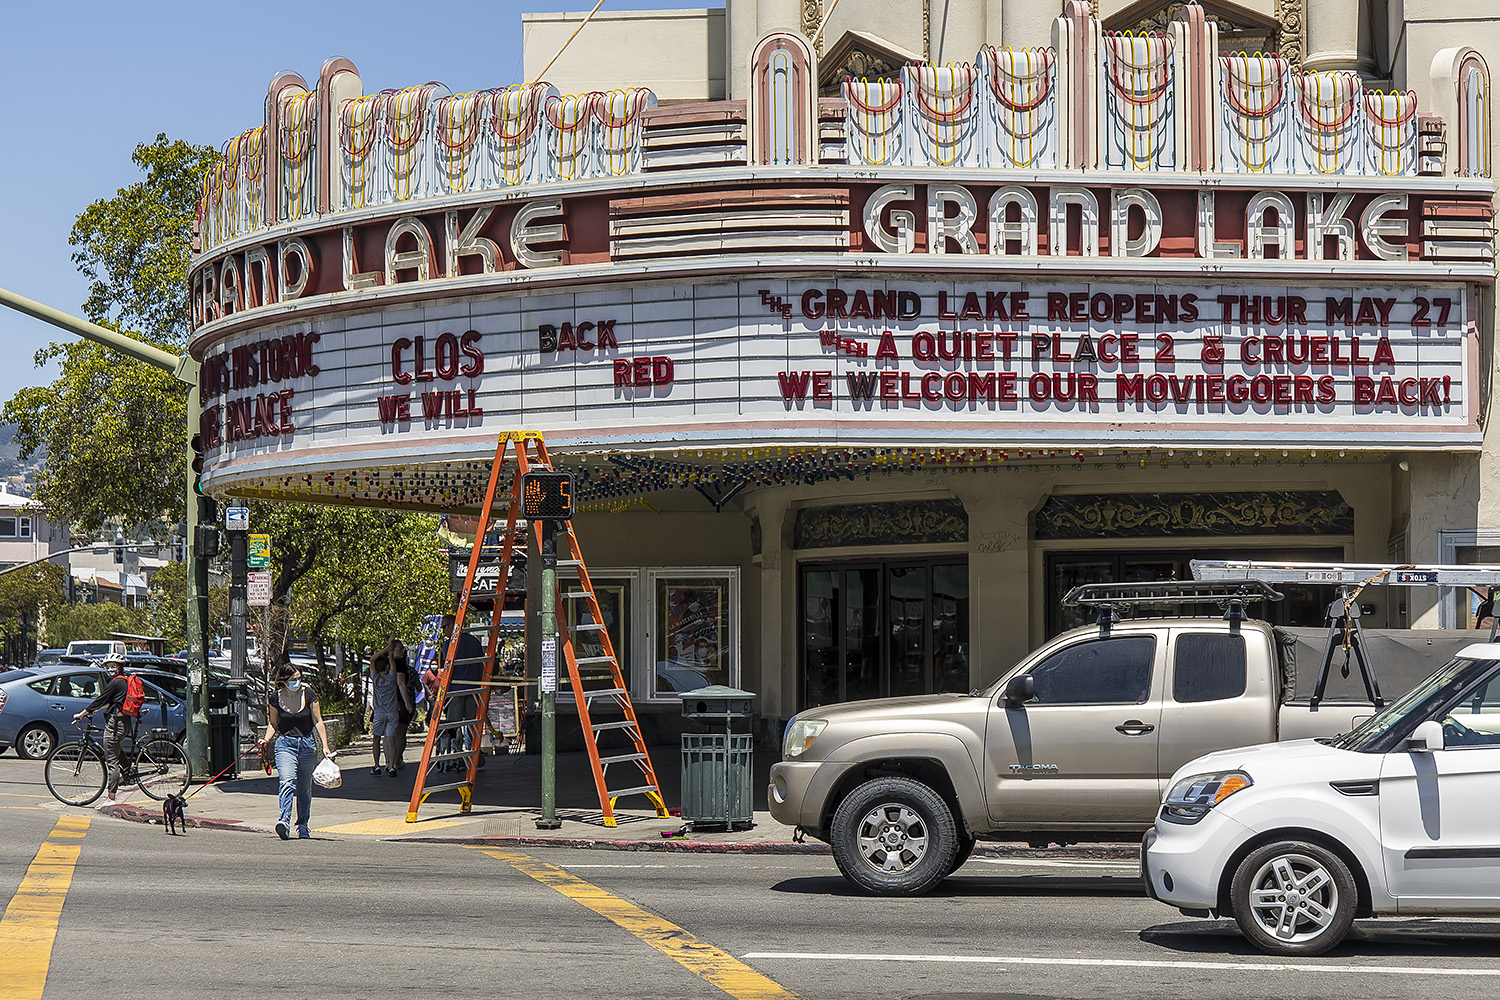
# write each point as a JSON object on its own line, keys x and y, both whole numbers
{"x": 1397, "y": 719}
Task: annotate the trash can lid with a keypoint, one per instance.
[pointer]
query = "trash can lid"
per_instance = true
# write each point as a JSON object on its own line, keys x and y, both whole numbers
{"x": 716, "y": 691}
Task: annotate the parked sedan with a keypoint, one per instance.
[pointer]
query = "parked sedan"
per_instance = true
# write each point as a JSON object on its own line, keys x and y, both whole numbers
{"x": 37, "y": 706}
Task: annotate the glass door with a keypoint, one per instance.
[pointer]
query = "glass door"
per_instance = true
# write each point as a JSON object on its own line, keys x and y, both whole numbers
{"x": 872, "y": 630}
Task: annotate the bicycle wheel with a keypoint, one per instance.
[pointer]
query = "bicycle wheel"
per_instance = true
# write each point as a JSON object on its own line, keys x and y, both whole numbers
{"x": 75, "y": 773}
{"x": 161, "y": 769}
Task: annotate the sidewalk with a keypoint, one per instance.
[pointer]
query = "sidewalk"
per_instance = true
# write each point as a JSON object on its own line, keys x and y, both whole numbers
{"x": 506, "y": 806}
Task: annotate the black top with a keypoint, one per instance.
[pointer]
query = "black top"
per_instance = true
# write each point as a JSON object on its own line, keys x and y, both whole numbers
{"x": 113, "y": 695}
{"x": 467, "y": 665}
{"x": 291, "y": 723}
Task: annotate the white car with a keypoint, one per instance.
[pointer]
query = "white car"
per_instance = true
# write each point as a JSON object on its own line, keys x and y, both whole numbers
{"x": 1400, "y": 816}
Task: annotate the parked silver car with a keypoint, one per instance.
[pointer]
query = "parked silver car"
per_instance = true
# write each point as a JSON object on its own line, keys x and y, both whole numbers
{"x": 37, "y": 706}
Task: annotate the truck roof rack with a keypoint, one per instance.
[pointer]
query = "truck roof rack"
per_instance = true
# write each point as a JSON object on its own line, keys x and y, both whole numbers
{"x": 1124, "y": 595}
{"x": 1112, "y": 598}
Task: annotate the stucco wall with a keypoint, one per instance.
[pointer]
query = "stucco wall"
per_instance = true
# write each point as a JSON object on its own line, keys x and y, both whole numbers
{"x": 679, "y": 54}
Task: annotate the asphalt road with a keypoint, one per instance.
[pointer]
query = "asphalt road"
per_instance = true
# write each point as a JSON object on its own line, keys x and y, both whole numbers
{"x": 141, "y": 914}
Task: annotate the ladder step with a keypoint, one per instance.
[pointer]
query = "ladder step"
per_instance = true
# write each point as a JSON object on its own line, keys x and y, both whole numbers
{"x": 569, "y": 563}
{"x": 582, "y": 660}
{"x": 452, "y": 755}
{"x": 429, "y": 789}
{"x": 616, "y": 793}
{"x": 601, "y": 726}
{"x": 620, "y": 758}
{"x": 587, "y": 628}
{"x": 600, "y": 692}
{"x": 573, "y": 595}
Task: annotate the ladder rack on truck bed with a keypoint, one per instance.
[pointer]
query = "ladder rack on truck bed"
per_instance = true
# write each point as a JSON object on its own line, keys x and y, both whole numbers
{"x": 1343, "y": 613}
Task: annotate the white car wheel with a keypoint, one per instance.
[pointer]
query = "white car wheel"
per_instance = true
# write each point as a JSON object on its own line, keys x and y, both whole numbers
{"x": 1294, "y": 898}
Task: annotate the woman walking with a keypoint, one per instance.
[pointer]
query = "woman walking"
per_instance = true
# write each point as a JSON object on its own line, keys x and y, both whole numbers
{"x": 390, "y": 699}
{"x": 292, "y": 716}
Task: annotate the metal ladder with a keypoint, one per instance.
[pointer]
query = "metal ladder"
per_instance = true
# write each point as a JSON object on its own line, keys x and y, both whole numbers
{"x": 594, "y": 674}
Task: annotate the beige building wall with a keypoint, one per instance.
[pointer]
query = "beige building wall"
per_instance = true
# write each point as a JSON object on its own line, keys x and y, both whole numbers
{"x": 679, "y": 54}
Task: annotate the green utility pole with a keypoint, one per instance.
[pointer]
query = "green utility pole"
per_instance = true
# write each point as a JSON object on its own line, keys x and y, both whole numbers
{"x": 547, "y": 498}
{"x": 548, "y": 685}
{"x": 185, "y": 370}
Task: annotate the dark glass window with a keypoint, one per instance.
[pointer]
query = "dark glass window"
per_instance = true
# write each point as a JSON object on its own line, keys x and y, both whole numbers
{"x": 1113, "y": 671}
{"x": 1208, "y": 667}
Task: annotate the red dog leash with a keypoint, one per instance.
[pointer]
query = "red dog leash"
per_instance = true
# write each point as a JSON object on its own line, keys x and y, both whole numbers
{"x": 255, "y": 749}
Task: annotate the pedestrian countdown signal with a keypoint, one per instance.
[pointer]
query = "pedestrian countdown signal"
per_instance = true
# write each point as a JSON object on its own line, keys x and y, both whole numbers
{"x": 547, "y": 496}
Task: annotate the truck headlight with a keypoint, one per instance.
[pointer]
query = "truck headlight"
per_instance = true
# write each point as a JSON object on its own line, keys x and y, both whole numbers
{"x": 800, "y": 735}
{"x": 1191, "y": 798}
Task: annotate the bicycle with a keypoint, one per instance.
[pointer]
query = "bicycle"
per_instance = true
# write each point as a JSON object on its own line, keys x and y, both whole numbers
{"x": 76, "y": 772}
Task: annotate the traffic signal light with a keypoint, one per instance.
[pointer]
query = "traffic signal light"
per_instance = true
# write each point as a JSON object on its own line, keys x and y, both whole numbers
{"x": 198, "y": 453}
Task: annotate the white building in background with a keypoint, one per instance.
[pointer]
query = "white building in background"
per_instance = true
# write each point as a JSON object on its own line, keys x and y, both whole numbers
{"x": 865, "y": 345}
{"x": 25, "y": 534}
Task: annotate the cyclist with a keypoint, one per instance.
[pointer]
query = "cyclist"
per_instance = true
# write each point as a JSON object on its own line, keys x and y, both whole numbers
{"x": 117, "y": 725}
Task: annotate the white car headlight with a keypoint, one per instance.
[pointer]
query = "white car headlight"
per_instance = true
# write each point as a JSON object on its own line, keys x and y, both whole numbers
{"x": 1191, "y": 798}
{"x": 800, "y": 734}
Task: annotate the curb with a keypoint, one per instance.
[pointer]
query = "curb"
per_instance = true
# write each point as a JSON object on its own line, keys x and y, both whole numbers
{"x": 680, "y": 846}
{"x": 1125, "y": 852}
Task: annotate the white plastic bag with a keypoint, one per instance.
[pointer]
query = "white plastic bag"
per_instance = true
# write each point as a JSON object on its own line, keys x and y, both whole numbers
{"x": 327, "y": 775}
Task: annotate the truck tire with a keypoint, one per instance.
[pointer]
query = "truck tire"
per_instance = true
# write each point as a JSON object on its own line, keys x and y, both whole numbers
{"x": 894, "y": 837}
{"x": 1293, "y": 898}
{"x": 965, "y": 849}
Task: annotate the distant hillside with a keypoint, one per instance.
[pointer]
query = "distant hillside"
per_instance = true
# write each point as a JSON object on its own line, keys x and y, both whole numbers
{"x": 18, "y": 474}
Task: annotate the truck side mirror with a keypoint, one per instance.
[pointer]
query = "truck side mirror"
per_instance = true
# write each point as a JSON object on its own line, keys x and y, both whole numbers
{"x": 1427, "y": 737}
{"x": 1019, "y": 690}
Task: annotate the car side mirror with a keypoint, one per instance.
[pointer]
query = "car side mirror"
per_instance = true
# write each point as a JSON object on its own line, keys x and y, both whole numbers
{"x": 1019, "y": 690}
{"x": 1427, "y": 737}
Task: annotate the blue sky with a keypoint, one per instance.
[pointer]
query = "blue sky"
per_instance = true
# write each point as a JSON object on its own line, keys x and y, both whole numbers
{"x": 86, "y": 81}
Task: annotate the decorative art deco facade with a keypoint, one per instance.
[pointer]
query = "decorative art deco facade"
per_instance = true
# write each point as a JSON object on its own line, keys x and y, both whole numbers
{"x": 857, "y": 373}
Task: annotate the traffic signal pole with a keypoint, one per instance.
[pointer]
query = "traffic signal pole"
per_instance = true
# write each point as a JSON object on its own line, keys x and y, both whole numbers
{"x": 185, "y": 370}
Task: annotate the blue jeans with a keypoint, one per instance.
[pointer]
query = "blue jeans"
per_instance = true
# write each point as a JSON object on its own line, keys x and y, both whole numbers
{"x": 296, "y": 756}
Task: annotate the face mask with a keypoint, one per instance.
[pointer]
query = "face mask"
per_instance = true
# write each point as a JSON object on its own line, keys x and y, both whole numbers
{"x": 294, "y": 685}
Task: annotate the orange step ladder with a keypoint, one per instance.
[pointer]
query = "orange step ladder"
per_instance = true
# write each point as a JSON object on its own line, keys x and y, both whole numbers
{"x": 594, "y": 676}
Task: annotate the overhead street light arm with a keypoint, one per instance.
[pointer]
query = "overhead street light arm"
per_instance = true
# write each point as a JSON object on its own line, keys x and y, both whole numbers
{"x": 183, "y": 367}
{"x": 77, "y": 548}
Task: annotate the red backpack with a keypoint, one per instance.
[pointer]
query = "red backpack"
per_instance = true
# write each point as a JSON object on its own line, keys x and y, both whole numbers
{"x": 135, "y": 693}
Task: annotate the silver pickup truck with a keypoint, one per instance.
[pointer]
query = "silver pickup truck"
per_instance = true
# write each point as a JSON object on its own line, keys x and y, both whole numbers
{"x": 1076, "y": 743}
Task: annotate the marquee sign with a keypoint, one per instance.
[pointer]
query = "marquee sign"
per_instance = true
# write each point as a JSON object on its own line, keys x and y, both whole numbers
{"x": 1018, "y": 227}
{"x": 865, "y": 362}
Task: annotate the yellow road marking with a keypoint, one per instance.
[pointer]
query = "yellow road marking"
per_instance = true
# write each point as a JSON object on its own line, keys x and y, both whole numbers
{"x": 30, "y": 923}
{"x": 698, "y": 957}
{"x": 389, "y": 827}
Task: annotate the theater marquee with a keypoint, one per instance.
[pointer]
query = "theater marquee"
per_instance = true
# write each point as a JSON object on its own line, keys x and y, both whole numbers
{"x": 863, "y": 363}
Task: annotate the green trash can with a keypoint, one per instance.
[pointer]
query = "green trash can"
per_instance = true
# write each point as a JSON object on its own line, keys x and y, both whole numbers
{"x": 716, "y": 765}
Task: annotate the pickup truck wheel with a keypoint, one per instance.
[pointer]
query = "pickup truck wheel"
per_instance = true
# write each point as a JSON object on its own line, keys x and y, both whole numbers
{"x": 894, "y": 837}
{"x": 1293, "y": 898}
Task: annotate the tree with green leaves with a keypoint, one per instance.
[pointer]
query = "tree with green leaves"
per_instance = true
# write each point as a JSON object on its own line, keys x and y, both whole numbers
{"x": 114, "y": 433}
{"x": 67, "y": 622}
{"x": 28, "y": 597}
{"x": 351, "y": 574}
{"x": 114, "y": 429}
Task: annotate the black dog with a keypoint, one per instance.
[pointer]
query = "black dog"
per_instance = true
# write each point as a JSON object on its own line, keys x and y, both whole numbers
{"x": 173, "y": 814}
